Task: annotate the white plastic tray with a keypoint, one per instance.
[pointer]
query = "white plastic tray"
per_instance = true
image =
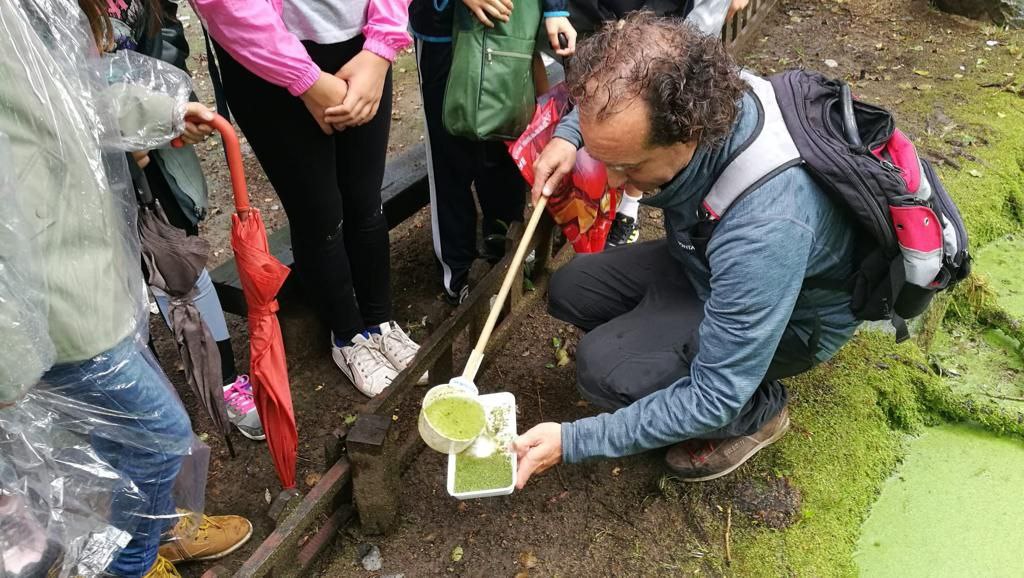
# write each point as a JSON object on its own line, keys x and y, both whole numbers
{"x": 490, "y": 402}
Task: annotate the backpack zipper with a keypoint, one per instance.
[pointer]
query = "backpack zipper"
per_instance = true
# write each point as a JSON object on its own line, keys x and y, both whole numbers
{"x": 492, "y": 52}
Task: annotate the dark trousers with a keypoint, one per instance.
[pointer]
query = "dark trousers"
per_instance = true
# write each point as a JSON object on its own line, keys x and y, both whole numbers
{"x": 642, "y": 317}
{"x": 455, "y": 165}
{"x": 329, "y": 187}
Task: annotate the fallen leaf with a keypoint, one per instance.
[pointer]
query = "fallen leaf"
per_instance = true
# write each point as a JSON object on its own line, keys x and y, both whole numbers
{"x": 616, "y": 471}
{"x": 203, "y": 436}
{"x": 527, "y": 559}
{"x": 582, "y": 403}
{"x": 457, "y": 554}
{"x": 561, "y": 357}
{"x": 831, "y": 63}
{"x": 975, "y": 173}
{"x": 923, "y": 87}
{"x": 920, "y": 72}
{"x": 351, "y": 419}
{"x": 556, "y": 342}
{"x": 394, "y": 417}
{"x": 958, "y": 76}
{"x": 1001, "y": 114}
{"x": 312, "y": 479}
{"x": 266, "y": 495}
{"x": 549, "y": 365}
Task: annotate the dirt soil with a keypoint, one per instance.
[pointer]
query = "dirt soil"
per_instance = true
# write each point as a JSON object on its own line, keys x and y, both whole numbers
{"x": 619, "y": 517}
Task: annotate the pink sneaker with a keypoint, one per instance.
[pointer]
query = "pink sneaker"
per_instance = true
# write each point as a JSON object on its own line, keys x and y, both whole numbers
{"x": 242, "y": 409}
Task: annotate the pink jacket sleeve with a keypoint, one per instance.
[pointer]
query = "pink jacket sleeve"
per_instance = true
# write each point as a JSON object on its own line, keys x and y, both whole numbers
{"x": 385, "y": 30}
{"x": 253, "y": 34}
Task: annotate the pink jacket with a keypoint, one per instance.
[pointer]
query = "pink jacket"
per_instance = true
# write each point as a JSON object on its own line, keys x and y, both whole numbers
{"x": 253, "y": 32}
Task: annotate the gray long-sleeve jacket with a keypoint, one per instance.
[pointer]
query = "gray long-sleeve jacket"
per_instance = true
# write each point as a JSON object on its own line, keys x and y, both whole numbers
{"x": 759, "y": 255}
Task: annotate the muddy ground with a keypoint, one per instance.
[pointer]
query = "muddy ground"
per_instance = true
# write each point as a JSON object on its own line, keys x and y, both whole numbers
{"x": 621, "y": 517}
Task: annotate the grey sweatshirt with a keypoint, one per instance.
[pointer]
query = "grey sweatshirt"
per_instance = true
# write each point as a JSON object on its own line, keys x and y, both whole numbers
{"x": 759, "y": 255}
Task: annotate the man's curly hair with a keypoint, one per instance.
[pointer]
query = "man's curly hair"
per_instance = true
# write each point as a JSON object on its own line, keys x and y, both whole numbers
{"x": 689, "y": 82}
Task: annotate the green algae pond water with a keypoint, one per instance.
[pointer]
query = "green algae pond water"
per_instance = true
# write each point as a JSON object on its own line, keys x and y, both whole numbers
{"x": 954, "y": 507}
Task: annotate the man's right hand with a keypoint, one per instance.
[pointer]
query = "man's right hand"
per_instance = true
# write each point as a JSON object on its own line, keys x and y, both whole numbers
{"x": 327, "y": 91}
{"x": 499, "y": 9}
{"x": 554, "y": 163}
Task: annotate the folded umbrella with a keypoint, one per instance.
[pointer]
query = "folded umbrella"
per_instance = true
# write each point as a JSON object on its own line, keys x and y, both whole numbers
{"x": 173, "y": 261}
{"x": 262, "y": 275}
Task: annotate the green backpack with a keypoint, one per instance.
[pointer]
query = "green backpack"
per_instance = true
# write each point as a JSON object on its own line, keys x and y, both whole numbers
{"x": 490, "y": 93}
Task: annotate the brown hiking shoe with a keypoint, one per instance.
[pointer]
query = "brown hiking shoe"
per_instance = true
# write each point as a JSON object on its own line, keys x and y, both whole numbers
{"x": 699, "y": 460}
{"x": 215, "y": 537}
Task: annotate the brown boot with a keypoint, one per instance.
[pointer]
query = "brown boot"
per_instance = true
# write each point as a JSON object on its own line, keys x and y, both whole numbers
{"x": 699, "y": 460}
{"x": 214, "y": 538}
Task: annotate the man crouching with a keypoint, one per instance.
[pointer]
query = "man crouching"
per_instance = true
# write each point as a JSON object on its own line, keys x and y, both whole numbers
{"x": 687, "y": 336}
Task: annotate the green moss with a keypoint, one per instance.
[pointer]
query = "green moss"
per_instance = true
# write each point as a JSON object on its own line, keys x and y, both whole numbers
{"x": 473, "y": 474}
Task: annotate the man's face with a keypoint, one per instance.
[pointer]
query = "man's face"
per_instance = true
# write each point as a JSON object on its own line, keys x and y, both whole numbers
{"x": 620, "y": 142}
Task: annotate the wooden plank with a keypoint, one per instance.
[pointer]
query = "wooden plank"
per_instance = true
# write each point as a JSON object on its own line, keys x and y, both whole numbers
{"x": 279, "y": 548}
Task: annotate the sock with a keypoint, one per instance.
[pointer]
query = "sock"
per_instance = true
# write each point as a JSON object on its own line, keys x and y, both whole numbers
{"x": 227, "y": 361}
{"x": 628, "y": 206}
{"x": 348, "y": 342}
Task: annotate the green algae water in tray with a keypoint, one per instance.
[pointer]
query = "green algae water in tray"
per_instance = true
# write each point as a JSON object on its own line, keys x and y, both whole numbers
{"x": 488, "y": 467}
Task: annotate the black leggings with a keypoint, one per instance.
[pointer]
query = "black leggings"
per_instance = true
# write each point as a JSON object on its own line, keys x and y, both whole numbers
{"x": 329, "y": 186}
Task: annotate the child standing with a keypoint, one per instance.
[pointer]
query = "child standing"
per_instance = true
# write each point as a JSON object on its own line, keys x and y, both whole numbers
{"x": 455, "y": 164}
{"x": 284, "y": 63}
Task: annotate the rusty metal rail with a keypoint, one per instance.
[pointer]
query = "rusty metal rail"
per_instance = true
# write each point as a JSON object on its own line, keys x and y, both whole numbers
{"x": 368, "y": 460}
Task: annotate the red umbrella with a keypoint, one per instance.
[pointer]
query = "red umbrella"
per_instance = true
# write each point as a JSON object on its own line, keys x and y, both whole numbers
{"x": 262, "y": 276}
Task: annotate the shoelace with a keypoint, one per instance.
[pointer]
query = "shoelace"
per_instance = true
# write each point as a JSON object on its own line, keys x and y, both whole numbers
{"x": 401, "y": 344}
{"x": 163, "y": 566}
{"x": 701, "y": 455}
{"x": 363, "y": 354}
{"x": 239, "y": 397}
{"x": 188, "y": 528}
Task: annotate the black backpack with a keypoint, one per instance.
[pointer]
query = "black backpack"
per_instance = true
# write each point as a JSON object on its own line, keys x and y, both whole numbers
{"x": 913, "y": 240}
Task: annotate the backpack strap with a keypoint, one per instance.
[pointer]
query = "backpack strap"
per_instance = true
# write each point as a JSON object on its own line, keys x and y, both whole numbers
{"x": 770, "y": 152}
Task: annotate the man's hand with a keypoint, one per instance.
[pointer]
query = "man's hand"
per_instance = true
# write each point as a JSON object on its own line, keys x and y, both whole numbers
{"x": 195, "y": 132}
{"x": 560, "y": 24}
{"x": 555, "y": 161}
{"x": 538, "y": 450}
{"x": 365, "y": 75}
{"x": 499, "y": 9}
{"x": 327, "y": 91}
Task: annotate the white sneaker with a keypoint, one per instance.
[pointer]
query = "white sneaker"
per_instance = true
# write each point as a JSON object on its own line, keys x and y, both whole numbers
{"x": 364, "y": 365}
{"x": 398, "y": 347}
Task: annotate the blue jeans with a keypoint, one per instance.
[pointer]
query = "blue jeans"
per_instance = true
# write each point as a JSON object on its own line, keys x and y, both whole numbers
{"x": 123, "y": 402}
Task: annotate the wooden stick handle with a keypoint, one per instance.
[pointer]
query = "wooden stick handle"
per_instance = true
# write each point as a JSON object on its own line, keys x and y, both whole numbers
{"x": 477, "y": 355}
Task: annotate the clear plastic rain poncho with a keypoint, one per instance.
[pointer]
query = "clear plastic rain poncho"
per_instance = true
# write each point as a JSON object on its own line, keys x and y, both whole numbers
{"x": 95, "y": 447}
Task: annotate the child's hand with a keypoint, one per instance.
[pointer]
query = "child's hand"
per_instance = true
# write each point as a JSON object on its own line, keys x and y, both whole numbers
{"x": 328, "y": 91}
{"x": 141, "y": 158}
{"x": 556, "y": 25}
{"x": 196, "y": 132}
{"x": 499, "y": 9}
{"x": 734, "y": 7}
{"x": 365, "y": 75}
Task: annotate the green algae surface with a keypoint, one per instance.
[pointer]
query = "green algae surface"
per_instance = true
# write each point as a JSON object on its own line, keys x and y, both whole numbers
{"x": 1002, "y": 264}
{"x": 953, "y": 508}
{"x": 473, "y": 474}
{"x": 456, "y": 418}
